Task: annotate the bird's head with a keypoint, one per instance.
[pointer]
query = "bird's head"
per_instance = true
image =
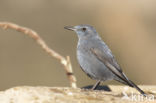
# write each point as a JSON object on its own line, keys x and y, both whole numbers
{"x": 82, "y": 30}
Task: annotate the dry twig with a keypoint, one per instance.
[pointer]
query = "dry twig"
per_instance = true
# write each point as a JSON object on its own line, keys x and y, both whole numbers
{"x": 64, "y": 61}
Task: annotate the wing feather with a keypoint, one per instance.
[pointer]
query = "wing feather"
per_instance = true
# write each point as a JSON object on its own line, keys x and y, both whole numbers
{"x": 109, "y": 62}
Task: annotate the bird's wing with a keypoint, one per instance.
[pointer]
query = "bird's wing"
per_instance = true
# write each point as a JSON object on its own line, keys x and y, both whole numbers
{"x": 106, "y": 57}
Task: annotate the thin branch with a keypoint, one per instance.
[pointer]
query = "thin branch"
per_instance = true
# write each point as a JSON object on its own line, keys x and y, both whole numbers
{"x": 64, "y": 61}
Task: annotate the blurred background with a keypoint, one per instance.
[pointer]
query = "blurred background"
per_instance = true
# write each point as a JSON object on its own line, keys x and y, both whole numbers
{"x": 128, "y": 27}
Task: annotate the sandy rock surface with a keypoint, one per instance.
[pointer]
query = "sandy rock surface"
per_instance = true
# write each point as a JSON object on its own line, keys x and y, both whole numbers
{"x": 119, "y": 94}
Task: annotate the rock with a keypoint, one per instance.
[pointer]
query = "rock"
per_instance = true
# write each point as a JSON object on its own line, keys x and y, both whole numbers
{"x": 119, "y": 94}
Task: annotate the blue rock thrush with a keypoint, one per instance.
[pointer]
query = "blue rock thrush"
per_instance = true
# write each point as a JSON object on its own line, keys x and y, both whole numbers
{"x": 96, "y": 59}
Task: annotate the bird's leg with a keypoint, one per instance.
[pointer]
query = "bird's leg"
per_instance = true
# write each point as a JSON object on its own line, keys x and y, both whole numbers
{"x": 96, "y": 85}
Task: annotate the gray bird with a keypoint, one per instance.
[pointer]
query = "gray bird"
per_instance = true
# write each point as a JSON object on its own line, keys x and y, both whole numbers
{"x": 96, "y": 59}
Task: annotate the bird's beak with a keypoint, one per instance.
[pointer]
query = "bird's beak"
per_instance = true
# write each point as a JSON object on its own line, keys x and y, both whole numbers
{"x": 69, "y": 28}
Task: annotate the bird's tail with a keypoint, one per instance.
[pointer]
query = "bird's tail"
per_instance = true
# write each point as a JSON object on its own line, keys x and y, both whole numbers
{"x": 135, "y": 86}
{"x": 131, "y": 84}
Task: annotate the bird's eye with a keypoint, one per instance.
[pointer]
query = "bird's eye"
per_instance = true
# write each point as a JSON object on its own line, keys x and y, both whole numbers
{"x": 84, "y": 29}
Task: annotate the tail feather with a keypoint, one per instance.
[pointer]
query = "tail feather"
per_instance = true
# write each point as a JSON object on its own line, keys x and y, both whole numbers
{"x": 131, "y": 84}
{"x": 135, "y": 86}
{"x": 125, "y": 80}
